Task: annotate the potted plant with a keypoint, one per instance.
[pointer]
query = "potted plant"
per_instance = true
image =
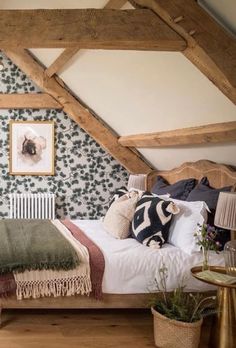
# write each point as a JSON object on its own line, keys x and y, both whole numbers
{"x": 178, "y": 315}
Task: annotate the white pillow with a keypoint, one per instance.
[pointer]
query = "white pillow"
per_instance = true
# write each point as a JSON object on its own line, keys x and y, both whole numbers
{"x": 185, "y": 224}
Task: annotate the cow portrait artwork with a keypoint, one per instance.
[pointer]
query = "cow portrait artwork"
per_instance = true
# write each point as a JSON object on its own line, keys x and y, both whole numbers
{"x": 32, "y": 147}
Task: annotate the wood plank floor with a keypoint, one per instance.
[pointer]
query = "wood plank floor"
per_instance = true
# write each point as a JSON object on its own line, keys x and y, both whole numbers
{"x": 79, "y": 329}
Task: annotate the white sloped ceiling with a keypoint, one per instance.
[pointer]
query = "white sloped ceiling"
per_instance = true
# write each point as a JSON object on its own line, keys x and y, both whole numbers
{"x": 138, "y": 92}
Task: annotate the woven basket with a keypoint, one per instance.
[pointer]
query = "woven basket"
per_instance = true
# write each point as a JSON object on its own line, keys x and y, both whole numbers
{"x": 170, "y": 333}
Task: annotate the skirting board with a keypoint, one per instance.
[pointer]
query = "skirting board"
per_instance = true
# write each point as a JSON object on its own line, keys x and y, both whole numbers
{"x": 83, "y": 302}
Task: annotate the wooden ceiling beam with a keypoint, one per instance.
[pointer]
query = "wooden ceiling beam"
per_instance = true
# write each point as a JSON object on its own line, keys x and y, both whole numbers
{"x": 115, "y": 4}
{"x": 206, "y": 134}
{"x": 28, "y": 101}
{"x": 210, "y": 47}
{"x": 87, "y": 28}
{"x": 77, "y": 112}
{"x": 61, "y": 60}
{"x": 68, "y": 53}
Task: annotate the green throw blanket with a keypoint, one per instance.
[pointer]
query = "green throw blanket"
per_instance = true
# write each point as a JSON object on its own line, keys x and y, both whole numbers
{"x": 34, "y": 244}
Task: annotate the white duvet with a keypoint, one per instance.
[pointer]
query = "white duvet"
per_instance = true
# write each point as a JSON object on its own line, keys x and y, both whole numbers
{"x": 131, "y": 267}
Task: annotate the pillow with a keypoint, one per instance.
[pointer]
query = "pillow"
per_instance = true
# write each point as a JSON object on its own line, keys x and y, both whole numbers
{"x": 178, "y": 190}
{"x": 185, "y": 224}
{"x": 120, "y": 192}
{"x": 152, "y": 219}
{"x": 120, "y": 214}
{"x": 204, "y": 192}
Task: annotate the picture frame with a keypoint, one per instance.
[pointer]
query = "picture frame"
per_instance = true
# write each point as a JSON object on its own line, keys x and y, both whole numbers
{"x": 32, "y": 148}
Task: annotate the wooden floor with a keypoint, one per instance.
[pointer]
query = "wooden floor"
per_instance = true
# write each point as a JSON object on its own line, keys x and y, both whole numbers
{"x": 79, "y": 329}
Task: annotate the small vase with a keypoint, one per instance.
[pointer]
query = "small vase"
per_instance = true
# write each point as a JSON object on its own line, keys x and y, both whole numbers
{"x": 205, "y": 262}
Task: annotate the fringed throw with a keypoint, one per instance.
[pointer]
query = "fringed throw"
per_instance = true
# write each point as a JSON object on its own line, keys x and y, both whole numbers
{"x": 36, "y": 284}
{"x": 46, "y": 283}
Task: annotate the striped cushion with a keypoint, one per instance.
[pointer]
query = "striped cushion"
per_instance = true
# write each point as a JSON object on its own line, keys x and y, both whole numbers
{"x": 152, "y": 220}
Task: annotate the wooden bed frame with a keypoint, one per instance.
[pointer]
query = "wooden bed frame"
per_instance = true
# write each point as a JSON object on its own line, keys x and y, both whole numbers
{"x": 219, "y": 175}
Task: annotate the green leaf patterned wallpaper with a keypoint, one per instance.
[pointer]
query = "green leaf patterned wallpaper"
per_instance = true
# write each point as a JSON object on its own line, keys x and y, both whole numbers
{"x": 85, "y": 176}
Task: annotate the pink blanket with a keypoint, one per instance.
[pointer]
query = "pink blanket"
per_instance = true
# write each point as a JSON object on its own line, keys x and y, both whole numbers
{"x": 96, "y": 258}
{"x": 7, "y": 284}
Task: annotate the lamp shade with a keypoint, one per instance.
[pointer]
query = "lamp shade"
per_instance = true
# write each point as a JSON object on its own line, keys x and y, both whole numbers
{"x": 137, "y": 181}
{"x": 225, "y": 215}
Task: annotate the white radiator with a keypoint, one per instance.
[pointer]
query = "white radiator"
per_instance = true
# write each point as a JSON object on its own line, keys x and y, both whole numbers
{"x": 32, "y": 206}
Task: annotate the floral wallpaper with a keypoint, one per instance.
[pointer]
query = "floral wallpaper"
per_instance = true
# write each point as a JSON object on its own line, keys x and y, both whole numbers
{"x": 86, "y": 175}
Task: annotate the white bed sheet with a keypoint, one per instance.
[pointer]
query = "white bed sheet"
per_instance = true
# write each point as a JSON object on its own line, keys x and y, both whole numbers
{"x": 131, "y": 267}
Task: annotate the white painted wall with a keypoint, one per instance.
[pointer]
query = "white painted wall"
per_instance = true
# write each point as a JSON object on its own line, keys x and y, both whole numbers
{"x": 144, "y": 92}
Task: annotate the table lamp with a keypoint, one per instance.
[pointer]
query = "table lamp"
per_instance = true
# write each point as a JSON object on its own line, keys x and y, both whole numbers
{"x": 225, "y": 217}
{"x": 137, "y": 181}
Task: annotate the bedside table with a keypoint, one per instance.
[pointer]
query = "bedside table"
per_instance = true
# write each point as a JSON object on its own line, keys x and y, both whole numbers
{"x": 223, "y": 333}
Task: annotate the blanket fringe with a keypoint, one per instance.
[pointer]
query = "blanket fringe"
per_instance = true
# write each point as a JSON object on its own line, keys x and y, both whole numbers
{"x": 80, "y": 285}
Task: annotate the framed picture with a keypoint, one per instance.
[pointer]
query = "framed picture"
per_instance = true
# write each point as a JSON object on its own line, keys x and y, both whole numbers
{"x": 32, "y": 150}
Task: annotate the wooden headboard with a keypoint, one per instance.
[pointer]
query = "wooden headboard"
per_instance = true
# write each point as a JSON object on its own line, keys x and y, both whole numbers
{"x": 219, "y": 175}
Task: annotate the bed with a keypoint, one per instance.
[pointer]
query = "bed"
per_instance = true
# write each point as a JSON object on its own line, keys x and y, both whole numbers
{"x": 132, "y": 286}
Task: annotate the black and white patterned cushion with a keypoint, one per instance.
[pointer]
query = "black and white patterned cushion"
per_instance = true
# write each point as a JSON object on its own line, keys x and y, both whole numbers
{"x": 120, "y": 192}
{"x": 152, "y": 219}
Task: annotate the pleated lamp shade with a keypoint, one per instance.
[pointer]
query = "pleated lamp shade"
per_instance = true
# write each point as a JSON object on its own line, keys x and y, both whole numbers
{"x": 137, "y": 181}
{"x": 225, "y": 215}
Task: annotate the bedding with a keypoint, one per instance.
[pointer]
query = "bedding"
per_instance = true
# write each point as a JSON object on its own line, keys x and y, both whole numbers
{"x": 179, "y": 190}
{"x": 204, "y": 192}
{"x": 131, "y": 267}
{"x": 185, "y": 225}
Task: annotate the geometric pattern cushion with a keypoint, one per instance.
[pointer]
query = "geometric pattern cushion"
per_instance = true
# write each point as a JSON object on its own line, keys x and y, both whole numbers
{"x": 152, "y": 219}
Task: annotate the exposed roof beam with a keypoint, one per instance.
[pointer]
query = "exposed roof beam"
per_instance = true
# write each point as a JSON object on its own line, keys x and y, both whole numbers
{"x": 68, "y": 53}
{"x": 61, "y": 60}
{"x": 28, "y": 101}
{"x": 211, "y": 133}
{"x": 115, "y": 4}
{"x": 210, "y": 47}
{"x": 76, "y": 111}
{"x": 87, "y": 28}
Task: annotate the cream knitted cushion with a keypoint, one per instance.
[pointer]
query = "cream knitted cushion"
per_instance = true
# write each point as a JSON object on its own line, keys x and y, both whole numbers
{"x": 120, "y": 214}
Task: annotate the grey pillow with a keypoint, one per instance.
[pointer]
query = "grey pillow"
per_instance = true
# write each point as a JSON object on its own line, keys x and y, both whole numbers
{"x": 179, "y": 190}
{"x": 203, "y": 192}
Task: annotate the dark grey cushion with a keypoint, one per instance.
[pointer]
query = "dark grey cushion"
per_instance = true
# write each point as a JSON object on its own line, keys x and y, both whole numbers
{"x": 203, "y": 192}
{"x": 179, "y": 190}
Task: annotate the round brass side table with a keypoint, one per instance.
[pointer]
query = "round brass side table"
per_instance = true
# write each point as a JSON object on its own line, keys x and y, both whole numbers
{"x": 223, "y": 332}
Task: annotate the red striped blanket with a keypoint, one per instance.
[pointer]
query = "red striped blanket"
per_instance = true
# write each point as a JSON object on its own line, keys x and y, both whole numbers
{"x": 96, "y": 261}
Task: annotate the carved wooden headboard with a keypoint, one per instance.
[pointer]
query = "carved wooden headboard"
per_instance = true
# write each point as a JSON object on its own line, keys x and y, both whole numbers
{"x": 219, "y": 175}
